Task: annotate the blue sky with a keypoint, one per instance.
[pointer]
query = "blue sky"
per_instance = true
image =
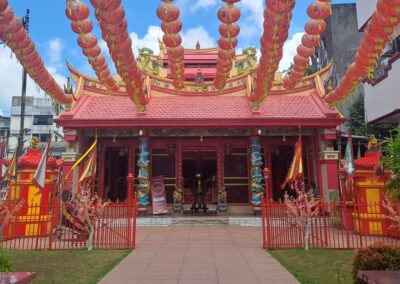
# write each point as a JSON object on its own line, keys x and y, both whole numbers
{"x": 50, "y": 30}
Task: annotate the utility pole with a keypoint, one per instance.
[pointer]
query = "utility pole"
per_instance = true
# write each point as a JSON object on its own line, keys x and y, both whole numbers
{"x": 20, "y": 147}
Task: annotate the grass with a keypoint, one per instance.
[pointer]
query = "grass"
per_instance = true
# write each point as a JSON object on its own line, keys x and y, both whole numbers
{"x": 317, "y": 265}
{"x": 69, "y": 266}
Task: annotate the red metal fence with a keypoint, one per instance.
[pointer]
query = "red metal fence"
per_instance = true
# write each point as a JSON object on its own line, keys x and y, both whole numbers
{"x": 337, "y": 226}
{"x": 57, "y": 229}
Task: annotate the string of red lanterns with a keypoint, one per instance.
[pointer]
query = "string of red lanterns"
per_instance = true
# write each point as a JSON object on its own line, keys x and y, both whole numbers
{"x": 111, "y": 17}
{"x": 229, "y": 30}
{"x": 318, "y": 12}
{"x": 277, "y": 17}
{"x": 376, "y": 36}
{"x": 13, "y": 33}
{"x": 169, "y": 13}
{"x": 78, "y": 13}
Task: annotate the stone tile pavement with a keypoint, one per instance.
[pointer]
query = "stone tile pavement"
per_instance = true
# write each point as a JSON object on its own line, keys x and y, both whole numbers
{"x": 199, "y": 254}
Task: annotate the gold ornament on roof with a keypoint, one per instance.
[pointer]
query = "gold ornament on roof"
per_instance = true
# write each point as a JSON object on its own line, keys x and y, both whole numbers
{"x": 372, "y": 143}
{"x": 34, "y": 143}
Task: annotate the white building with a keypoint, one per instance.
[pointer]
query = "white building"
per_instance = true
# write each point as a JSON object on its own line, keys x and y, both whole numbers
{"x": 39, "y": 123}
{"x": 382, "y": 94}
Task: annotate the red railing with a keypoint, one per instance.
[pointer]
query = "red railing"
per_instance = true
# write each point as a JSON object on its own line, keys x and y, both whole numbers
{"x": 52, "y": 227}
{"x": 338, "y": 225}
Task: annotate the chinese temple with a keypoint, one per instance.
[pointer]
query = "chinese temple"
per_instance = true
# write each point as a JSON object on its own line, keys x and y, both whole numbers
{"x": 211, "y": 118}
{"x": 200, "y": 129}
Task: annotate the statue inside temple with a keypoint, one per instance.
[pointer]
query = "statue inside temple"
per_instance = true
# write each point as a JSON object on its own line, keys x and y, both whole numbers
{"x": 199, "y": 193}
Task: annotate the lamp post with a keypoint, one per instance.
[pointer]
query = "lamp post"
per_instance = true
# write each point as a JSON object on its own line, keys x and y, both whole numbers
{"x": 20, "y": 147}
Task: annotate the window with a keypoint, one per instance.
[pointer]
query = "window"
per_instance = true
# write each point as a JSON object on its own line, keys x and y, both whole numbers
{"x": 44, "y": 137}
{"x": 43, "y": 120}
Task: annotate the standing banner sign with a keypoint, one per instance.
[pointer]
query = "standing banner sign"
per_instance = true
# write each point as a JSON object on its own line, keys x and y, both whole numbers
{"x": 158, "y": 195}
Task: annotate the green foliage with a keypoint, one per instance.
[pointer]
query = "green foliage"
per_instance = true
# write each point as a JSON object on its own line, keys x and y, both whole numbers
{"x": 376, "y": 257}
{"x": 357, "y": 118}
{"x": 5, "y": 264}
{"x": 391, "y": 162}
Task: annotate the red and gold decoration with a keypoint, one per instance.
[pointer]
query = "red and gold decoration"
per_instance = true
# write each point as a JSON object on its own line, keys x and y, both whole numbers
{"x": 376, "y": 36}
{"x": 318, "y": 12}
{"x": 14, "y": 34}
{"x": 229, "y": 30}
{"x": 168, "y": 13}
{"x": 78, "y": 13}
{"x": 277, "y": 18}
{"x": 34, "y": 216}
{"x": 111, "y": 17}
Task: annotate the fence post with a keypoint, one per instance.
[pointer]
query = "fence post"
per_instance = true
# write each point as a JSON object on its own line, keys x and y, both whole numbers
{"x": 267, "y": 175}
{"x": 130, "y": 191}
{"x": 135, "y": 207}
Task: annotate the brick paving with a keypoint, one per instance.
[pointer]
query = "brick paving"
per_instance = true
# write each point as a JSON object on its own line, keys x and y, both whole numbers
{"x": 199, "y": 254}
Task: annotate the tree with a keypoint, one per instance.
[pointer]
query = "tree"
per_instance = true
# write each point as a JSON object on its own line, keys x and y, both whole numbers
{"x": 87, "y": 208}
{"x": 357, "y": 117}
{"x": 302, "y": 210}
{"x": 394, "y": 215}
{"x": 391, "y": 162}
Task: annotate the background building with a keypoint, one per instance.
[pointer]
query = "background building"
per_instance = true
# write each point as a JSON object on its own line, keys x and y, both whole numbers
{"x": 339, "y": 43}
{"x": 382, "y": 104}
{"x": 39, "y": 123}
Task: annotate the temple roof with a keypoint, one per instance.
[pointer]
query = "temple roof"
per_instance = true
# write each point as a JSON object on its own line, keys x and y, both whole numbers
{"x": 278, "y": 110}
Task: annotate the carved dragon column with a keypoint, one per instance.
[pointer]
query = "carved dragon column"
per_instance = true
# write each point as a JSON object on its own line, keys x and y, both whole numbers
{"x": 143, "y": 175}
{"x": 257, "y": 188}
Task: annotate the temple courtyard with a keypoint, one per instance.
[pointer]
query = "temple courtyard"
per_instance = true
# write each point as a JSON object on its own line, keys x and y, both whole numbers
{"x": 199, "y": 254}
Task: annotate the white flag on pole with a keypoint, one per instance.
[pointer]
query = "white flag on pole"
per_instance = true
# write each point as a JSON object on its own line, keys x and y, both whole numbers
{"x": 39, "y": 179}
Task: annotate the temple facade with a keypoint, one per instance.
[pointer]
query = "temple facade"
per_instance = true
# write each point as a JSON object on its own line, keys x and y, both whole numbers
{"x": 200, "y": 129}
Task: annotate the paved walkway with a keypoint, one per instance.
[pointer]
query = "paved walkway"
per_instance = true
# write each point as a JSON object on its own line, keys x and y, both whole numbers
{"x": 197, "y": 254}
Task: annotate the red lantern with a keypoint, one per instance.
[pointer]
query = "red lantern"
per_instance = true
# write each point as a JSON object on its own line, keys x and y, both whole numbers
{"x": 227, "y": 43}
{"x": 288, "y": 83}
{"x": 281, "y": 7}
{"x": 76, "y": 10}
{"x": 172, "y": 40}
{"x": 319, "y": 10}
{"x": 171, "y": 27}
{"x": 310, "y": 41}
{"x": 13, "y": 26}
{"x": 305, "y": 51}
{"x": 97, "y": 61}
{"x": 112, "y": 17}
{"x": 176, "y": 52}
{"x": 226, "y": 54}
{"x": 82, "y": 27}
{"x": 229, "y": 14}
{"x": 87, "y": 41}
{"x": 106, "y": 4}
{"x": 92, "y": 52}
{"x": 168, "y": 12}
{"x": 231, "y": 30}
{"x": 296, "y": 75}
{"x": 314, "y": 27}
{"x": 3, "y": 5}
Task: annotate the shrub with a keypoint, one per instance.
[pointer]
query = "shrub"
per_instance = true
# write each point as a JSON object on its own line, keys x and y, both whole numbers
{"x": 5, "y": 264}
{"x": 376, "y": 257}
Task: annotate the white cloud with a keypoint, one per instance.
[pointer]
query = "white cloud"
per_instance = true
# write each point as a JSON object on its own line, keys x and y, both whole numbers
{"x": 54, "y": 48}
{"x": 11, "y": 80}
{"x": 191, "y": 36}
{"x": 290, "y": 50}
{"x": 11, "y": 74}
{"x": 150, "y": 40}
{"x": 252, "y": 24}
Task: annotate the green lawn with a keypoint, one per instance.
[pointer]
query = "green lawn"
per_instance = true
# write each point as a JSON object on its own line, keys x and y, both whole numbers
{"x": 70, "y": 266}
{"x": 317, "y": 265}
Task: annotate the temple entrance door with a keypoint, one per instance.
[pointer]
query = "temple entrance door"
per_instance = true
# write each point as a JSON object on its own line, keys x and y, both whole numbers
{"x": 115, "y": 173}
{"x": 202, "y": 161}
{"x": 280, "y": 163}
